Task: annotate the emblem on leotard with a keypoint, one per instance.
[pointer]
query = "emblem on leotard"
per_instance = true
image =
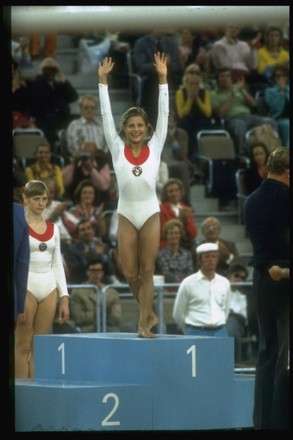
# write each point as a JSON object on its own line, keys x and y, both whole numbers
{"x": 42, "y": 247}
{"x": 137, "y": 170}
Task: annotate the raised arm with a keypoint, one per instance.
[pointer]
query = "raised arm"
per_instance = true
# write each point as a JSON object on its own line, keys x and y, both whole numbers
{"x": 105, "y": 67}
{"x": 161, "y": 67}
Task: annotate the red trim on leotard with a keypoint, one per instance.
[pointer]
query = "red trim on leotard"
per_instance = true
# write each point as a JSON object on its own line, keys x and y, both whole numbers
{"x": 143, "y": 156}
{"x": 46, "y": 235}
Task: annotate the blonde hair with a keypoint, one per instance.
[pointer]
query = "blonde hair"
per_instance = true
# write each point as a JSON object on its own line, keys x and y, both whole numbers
{"x": 135, "y": 111}
{"x": 35, "y": 188}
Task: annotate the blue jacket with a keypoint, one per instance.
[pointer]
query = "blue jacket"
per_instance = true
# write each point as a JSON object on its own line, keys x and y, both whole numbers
{"x": 21, "y": 258}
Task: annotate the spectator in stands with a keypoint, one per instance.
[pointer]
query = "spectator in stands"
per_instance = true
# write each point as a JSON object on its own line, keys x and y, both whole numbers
{"x": 193, "y": 106}
{"x": 144, "y": 49}
{"x": 20, "y": 52}
{"x": 277, "y": 98}
{"x": 51, "y": 95}
{"x": 54, "y": 212}
{"x": 88, "y": 127}
{"x": 87, "y": 247}
{"x": 87, "y": 206}
{"x": 43, "y": 167}
{"x": 228, "y": 252}
{"x": 234, "y": 54}
{"x": 258, "y": 154}
{"x": 272, "y": 52}
{"x": 237, "y": 318}
{"x": 234, "y": 104}
{"x": 83, "y": 301}
{"x": 175, "y": 154}
{"x": 173, "y": 207}
{"x": 192, "y": 50}
{"x": 21, "y": 117}
{"x": 174, "y": 262}
{"x": 88, "y": 163}
{"x": 202, "y": 302}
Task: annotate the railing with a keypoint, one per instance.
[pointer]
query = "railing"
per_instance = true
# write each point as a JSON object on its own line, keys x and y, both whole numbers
{"x": 161, "y": 293}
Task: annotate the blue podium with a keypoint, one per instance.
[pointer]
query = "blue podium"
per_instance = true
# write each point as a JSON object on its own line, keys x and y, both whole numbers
{"x": 119, "y": 382}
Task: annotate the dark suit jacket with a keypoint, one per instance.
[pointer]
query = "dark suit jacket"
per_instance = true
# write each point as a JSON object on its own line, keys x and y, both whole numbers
{"x": 21, "y": 257}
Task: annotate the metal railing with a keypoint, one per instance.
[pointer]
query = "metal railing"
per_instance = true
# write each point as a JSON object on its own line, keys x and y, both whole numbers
{"x": 159, "y": 291}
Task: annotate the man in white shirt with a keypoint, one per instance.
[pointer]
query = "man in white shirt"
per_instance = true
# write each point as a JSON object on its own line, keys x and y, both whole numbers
{"x": 202, "y": 303}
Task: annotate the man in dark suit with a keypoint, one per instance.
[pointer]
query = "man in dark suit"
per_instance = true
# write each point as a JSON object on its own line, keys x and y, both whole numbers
{"x": 21, "y": 258}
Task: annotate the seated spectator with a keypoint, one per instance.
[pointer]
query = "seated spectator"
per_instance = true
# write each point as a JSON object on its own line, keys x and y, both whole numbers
{"x": 228, "y": 253}
{"x": 277, "y": 98}
{"x": 87, "y": 128}
{"x": 201, "y": 305}
{"x": 193, "y": 107}
{"x": 237, "y": 55}
{"x": 54, "y": 212}
{"x": 87, "y": 247}
{"x": 173, "y": 207}
{"x": 173, "y": 261}
{"x": 258, "y": 154}
{"x": 43, "y": 167}
{"x": 271, "y": 53}
{"x": 83, "y": 301}
{"x": 175, "y": 154}
{"x": 89, "y": 163}
{"x": 234, "y": 104}
{"x": 87, "y": 206}
{"x": 20, "y": 97}
{"x": 50, "y": 97}
{"x": 192, "y": 50}
{"x": 237, "y": 318}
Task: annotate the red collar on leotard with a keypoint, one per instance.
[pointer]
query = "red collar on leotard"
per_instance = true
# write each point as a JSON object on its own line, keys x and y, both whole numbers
{"x": 144, "y": 154}
{"x": 46, "y": 235}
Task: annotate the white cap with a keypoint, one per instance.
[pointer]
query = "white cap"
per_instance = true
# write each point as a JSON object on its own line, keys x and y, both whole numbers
{"x": 207, "y": 247}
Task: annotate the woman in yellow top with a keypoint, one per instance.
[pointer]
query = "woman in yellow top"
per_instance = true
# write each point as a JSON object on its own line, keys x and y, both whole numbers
{"x": 272, "y": 52}
{"x": 193, "y": 106}
{"x": 44, "y": 168}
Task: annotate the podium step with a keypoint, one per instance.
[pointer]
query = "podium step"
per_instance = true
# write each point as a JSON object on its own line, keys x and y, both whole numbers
{"x": 171, "y": 382}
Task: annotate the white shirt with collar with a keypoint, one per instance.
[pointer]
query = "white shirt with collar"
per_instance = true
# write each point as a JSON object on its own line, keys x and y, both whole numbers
{"x": 202, "y": 302}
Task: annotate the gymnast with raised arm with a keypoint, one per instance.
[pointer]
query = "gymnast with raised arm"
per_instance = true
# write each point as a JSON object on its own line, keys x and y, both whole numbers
{"x": 136, "y": 152}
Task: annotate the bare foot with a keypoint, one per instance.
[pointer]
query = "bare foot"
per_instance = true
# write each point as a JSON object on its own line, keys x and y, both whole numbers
{"x": 153, "y": 320}
{"x": 144, "y": 332}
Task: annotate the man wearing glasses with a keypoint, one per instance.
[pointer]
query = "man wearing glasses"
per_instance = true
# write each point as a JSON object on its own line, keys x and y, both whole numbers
{"x": 88, "y": 127}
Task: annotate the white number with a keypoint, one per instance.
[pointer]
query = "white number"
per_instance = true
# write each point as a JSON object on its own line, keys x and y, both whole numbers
{"x": 192, "y": 350}
{"x": 62, "y": 349}
{"x": 106, "y": 421}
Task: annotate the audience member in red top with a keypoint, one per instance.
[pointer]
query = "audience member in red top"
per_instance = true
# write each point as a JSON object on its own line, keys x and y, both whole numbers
{"x": 173, "y": 207}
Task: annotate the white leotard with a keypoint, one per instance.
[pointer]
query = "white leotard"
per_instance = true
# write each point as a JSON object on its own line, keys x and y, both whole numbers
{"x": 137, "y": 193}
{"x": 46, "y": 270}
